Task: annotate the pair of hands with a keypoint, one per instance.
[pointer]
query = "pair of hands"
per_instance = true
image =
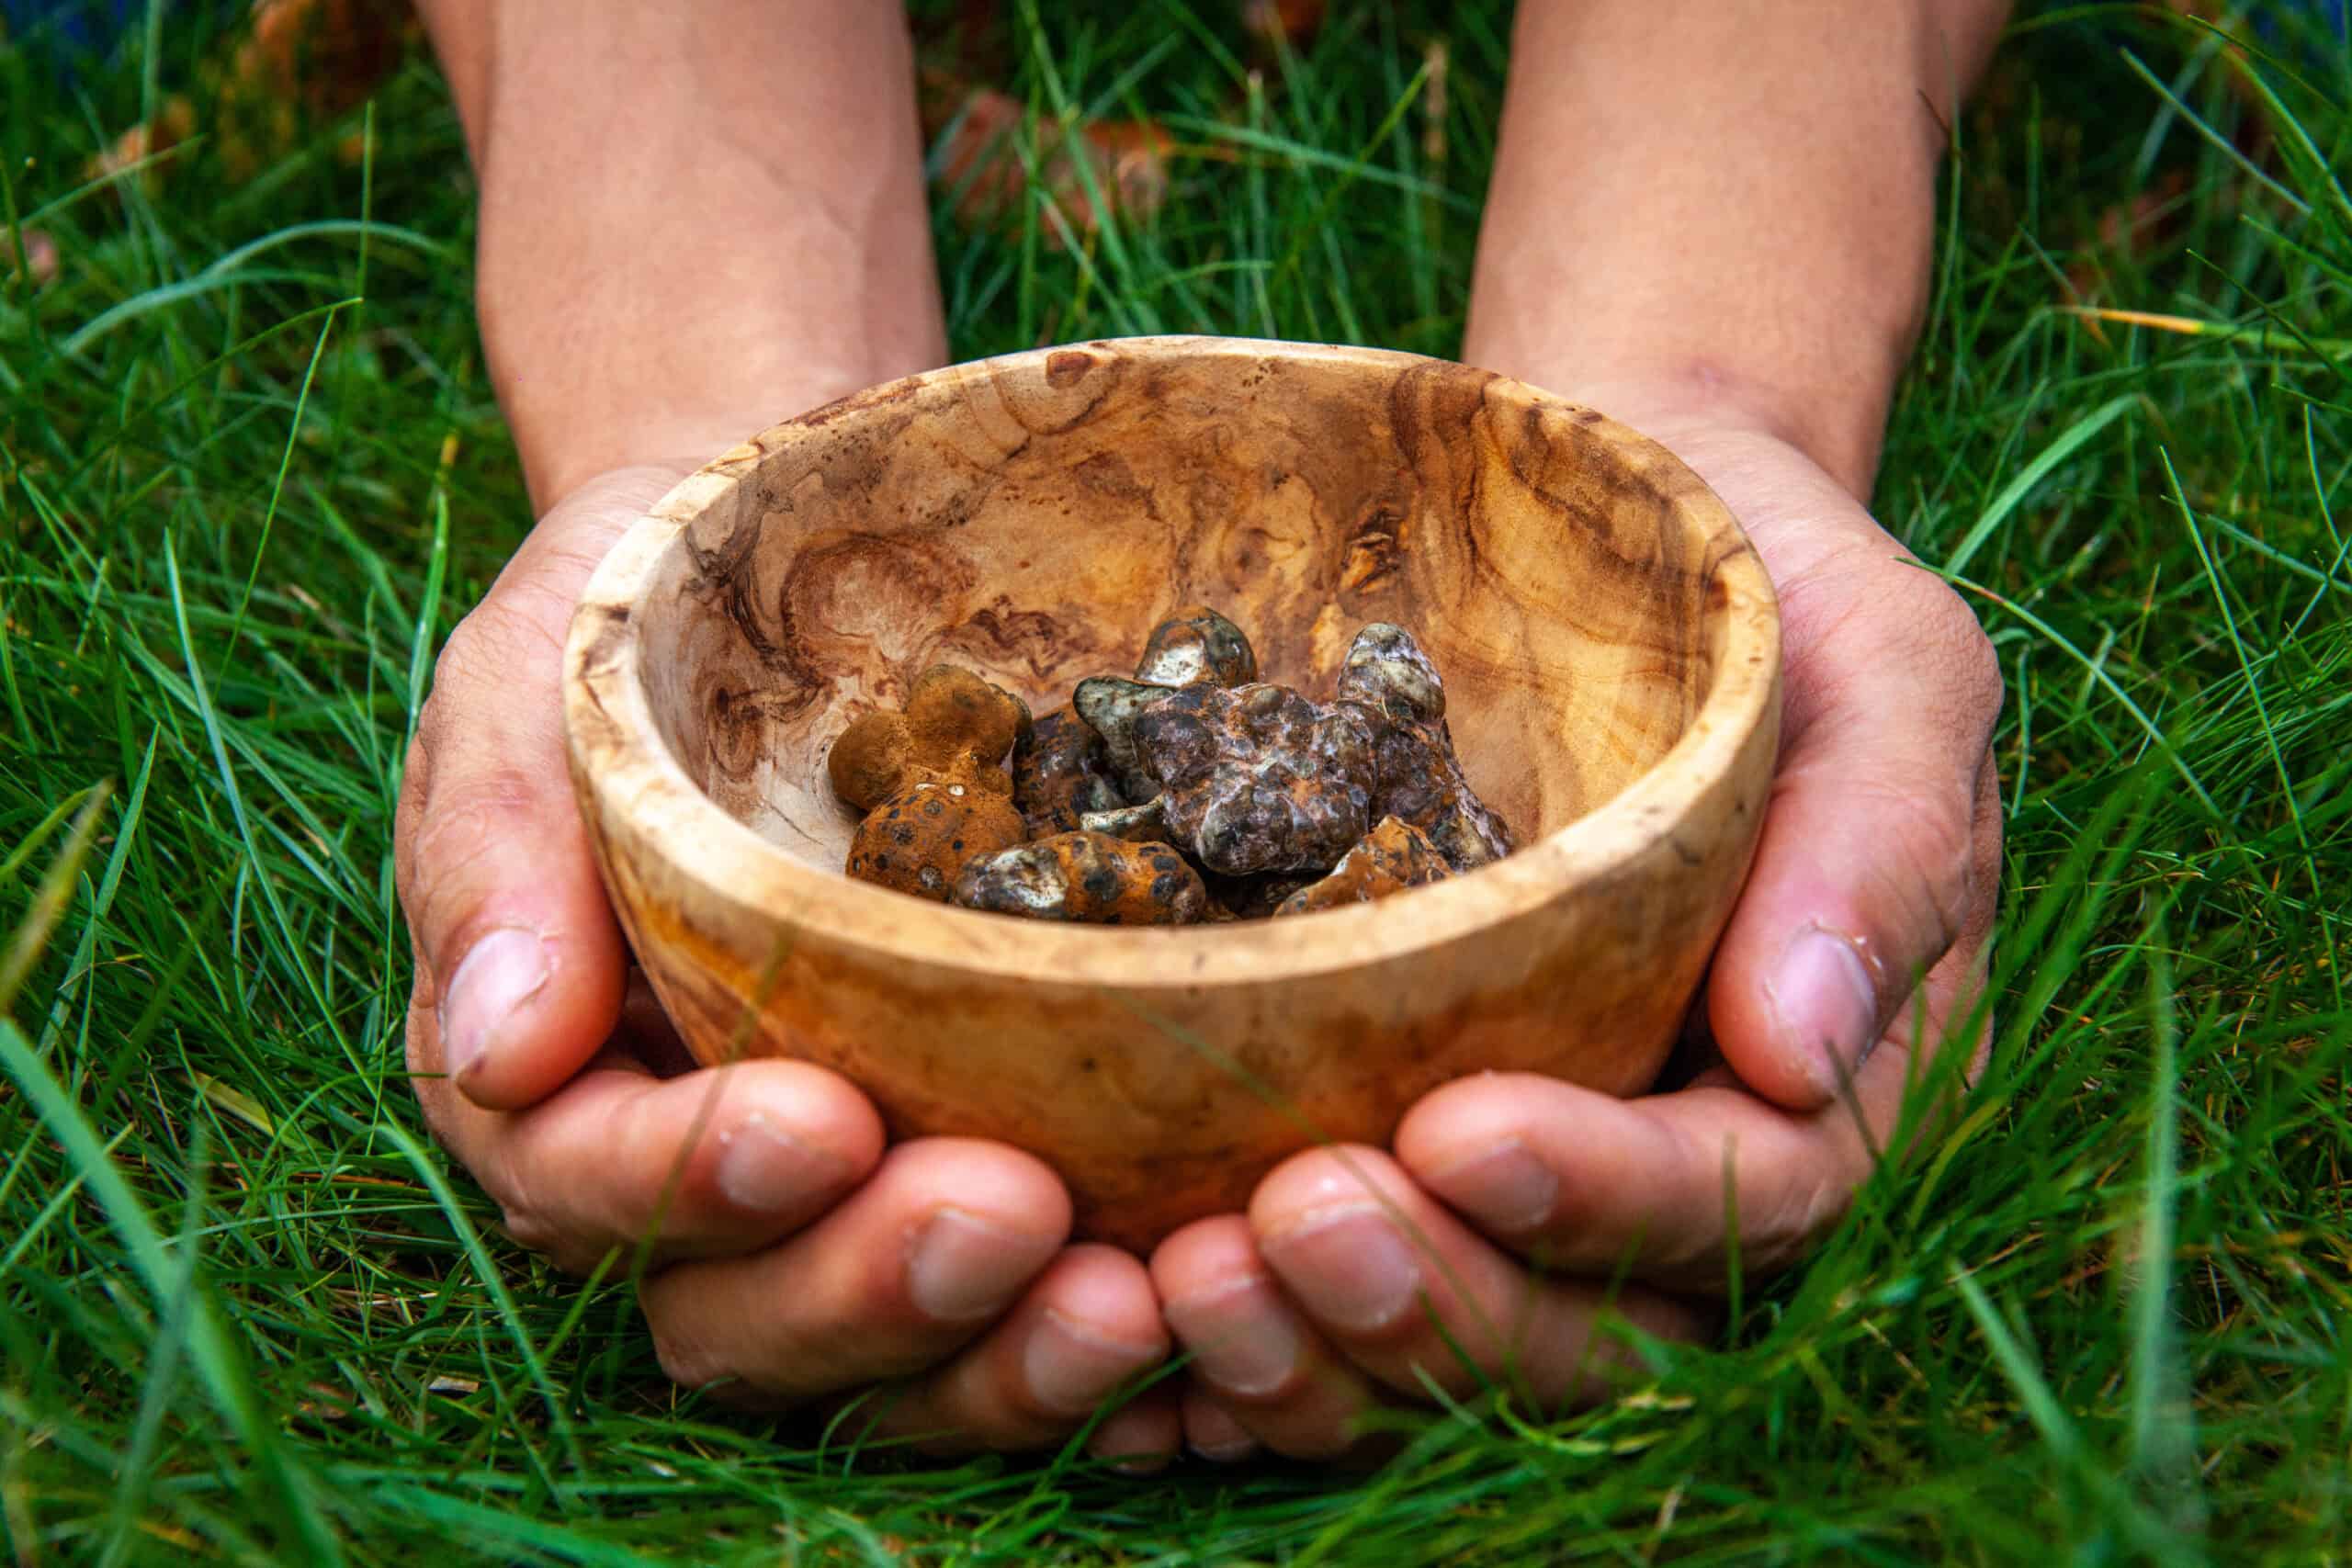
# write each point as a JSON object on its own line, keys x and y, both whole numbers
{"x": 799, "y": 1258}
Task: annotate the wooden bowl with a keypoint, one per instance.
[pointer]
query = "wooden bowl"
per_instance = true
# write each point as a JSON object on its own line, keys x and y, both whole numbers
{"x": 1609, "y": 641}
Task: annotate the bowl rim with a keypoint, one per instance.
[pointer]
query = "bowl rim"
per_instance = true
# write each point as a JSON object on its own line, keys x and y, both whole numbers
{"x": 634, "y": 783}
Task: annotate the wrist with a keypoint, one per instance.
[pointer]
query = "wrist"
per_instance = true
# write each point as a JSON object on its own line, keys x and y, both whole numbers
{"x": 689, "y": 233}
{"x": 1722, "y": 206}
{"x": 1702, "y": 408}
{"x": 1690, "y": 402}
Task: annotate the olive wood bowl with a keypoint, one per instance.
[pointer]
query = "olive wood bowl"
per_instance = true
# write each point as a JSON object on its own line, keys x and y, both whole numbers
{"x": 1611, "y": 648}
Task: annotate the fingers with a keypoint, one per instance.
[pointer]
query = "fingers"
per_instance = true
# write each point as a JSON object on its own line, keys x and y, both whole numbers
{"x": 1088, "y": 1325}
{"x": 1875, "y": 859}
{"x": 1142, "y": 1437}
{"x": 942, "y": 1239}
{"x": 1679, "y": 1189}
{"x": 1586, "y": 1184}
{"x": 723, "y": 1160}
{"x": 1212, "y": 1430}
{"x": 519, "y": 962}
{"x": 1389, "y": 1276}
{"x": 1347, "y": 1285}
{"x": 1258, "y": 1361}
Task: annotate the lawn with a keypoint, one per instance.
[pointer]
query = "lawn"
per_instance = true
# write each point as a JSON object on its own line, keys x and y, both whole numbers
{"x": 251, "y": 471}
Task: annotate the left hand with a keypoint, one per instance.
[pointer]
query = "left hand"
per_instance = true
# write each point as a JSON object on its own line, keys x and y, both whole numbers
{"x": 1522, "y": 1197}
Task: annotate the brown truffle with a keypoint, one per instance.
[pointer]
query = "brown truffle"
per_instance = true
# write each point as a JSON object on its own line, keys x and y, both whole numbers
{"x": 952, "y": 722}
{"x": 920, "y": 839}
{"x": 1086, "y": 876}
{"x": 1254, "y": 779}
{"x": 1253, "y": 898}
{"x": 1059, "y": 774}
{"x": 1417, "y": 777}
{"x": 1196, "y": 645}
{"x": 1392, "y": 857}
{"x": 1110, "y": 707}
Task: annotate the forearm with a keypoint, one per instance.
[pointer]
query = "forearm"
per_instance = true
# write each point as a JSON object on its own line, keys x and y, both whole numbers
{"x": 1725, "y": 202}
{"x": 696, "y": 219}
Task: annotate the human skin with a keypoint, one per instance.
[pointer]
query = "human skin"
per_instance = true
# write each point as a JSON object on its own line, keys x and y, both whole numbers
{"x": 688, "y": 233}
{"x": 1709, "y": 217}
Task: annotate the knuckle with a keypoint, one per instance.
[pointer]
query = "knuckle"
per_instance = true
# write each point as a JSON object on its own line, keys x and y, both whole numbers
{"x": 1786, "y": 1235}
{"x": 408, "y": 813}
{"x": 422, "y": 1049}
{"x": 533, "y": 1232}
{"x": 1975, "y": 668}
{"x": 519, "y": 627}
{"x": 1939, "y": 622}
{"x": 463, "y": 825}
{"x": 1944, "y": 860}
{"x": 1928, "y": 865}
{"x": 523, "y": 1214}
{"x": 687, "y": 1357}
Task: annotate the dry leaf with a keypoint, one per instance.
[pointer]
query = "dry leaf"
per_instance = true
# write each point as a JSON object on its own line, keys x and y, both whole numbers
{"x": 982, "y": 161}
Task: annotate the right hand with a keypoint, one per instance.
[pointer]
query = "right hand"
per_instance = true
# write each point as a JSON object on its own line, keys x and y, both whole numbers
{"x": 793, "y": 1256}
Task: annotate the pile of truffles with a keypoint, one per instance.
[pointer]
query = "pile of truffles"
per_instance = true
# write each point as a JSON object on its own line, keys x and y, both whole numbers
{"x": 1193, "y": 792}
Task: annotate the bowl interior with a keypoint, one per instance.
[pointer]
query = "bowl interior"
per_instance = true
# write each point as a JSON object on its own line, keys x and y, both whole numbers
{"x": 1031, "y": 518}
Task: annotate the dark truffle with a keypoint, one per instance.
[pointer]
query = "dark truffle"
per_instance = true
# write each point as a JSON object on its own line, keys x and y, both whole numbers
{"x": 1417, "y": 777}
{"x": 1059, "y": 774}
{"x": 1254, "y": 779}
{"x": 1392, "y": 857}
{"x": 1086, "y": 876}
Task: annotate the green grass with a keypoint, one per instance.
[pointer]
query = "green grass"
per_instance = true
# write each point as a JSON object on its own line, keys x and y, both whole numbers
{"x": 251, "y": 471}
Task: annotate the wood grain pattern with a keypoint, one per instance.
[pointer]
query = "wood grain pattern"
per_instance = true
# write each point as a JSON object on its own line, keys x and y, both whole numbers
{"x": 1610, "y": 646}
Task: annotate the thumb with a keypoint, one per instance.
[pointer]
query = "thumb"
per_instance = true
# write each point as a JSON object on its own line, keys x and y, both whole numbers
{"x": 519, "y": 962}
{"x": 1880, "y": 852}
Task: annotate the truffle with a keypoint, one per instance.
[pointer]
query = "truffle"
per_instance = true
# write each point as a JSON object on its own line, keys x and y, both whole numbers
{"x": 1392, "y": 857}
{"x": 951, "y": 722}
{"x": 1417, "y": 777}
{"x": 1086, "y": 876}
{"x": 1255, "y": 779}
{"x": 1194, "y": 646}
{"x": 919, "y": 839}
{"x": 1059, "y": 774}
{"x": 929, "y": 782}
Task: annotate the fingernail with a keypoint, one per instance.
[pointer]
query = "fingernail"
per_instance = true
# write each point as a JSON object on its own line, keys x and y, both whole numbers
{"x": 1825, "y": 1003}
{"x": 1349, "y": 1265}
{"x": 764, "y": 1168}
{"x": 1071, "y": 1368}
{"x": 1216, "y": 1436}
{"x": 1506, "y": 1189}
{"x": 498, "y": 973}
{"x": 1241, "y": 1336}
{"x": 963, "y": 1268}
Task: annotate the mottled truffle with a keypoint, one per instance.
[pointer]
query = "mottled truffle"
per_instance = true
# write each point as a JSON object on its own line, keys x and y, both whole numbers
{"x": 1417, "y": 777}
{"x": 1252, "y": 898}
{"x": 1392, "y": 857}
{"x": 1086, "y": 876}
{"x": 1194, "y": 646}
{"x": 1254, "y": 779}
{"x": 1059, "y": 774}
{"x": 920, "y": 839}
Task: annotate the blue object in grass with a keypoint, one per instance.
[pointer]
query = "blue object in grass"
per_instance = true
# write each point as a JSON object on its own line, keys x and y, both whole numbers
{"x": 67, "y": 35}
{"x": 67, "y": 31}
